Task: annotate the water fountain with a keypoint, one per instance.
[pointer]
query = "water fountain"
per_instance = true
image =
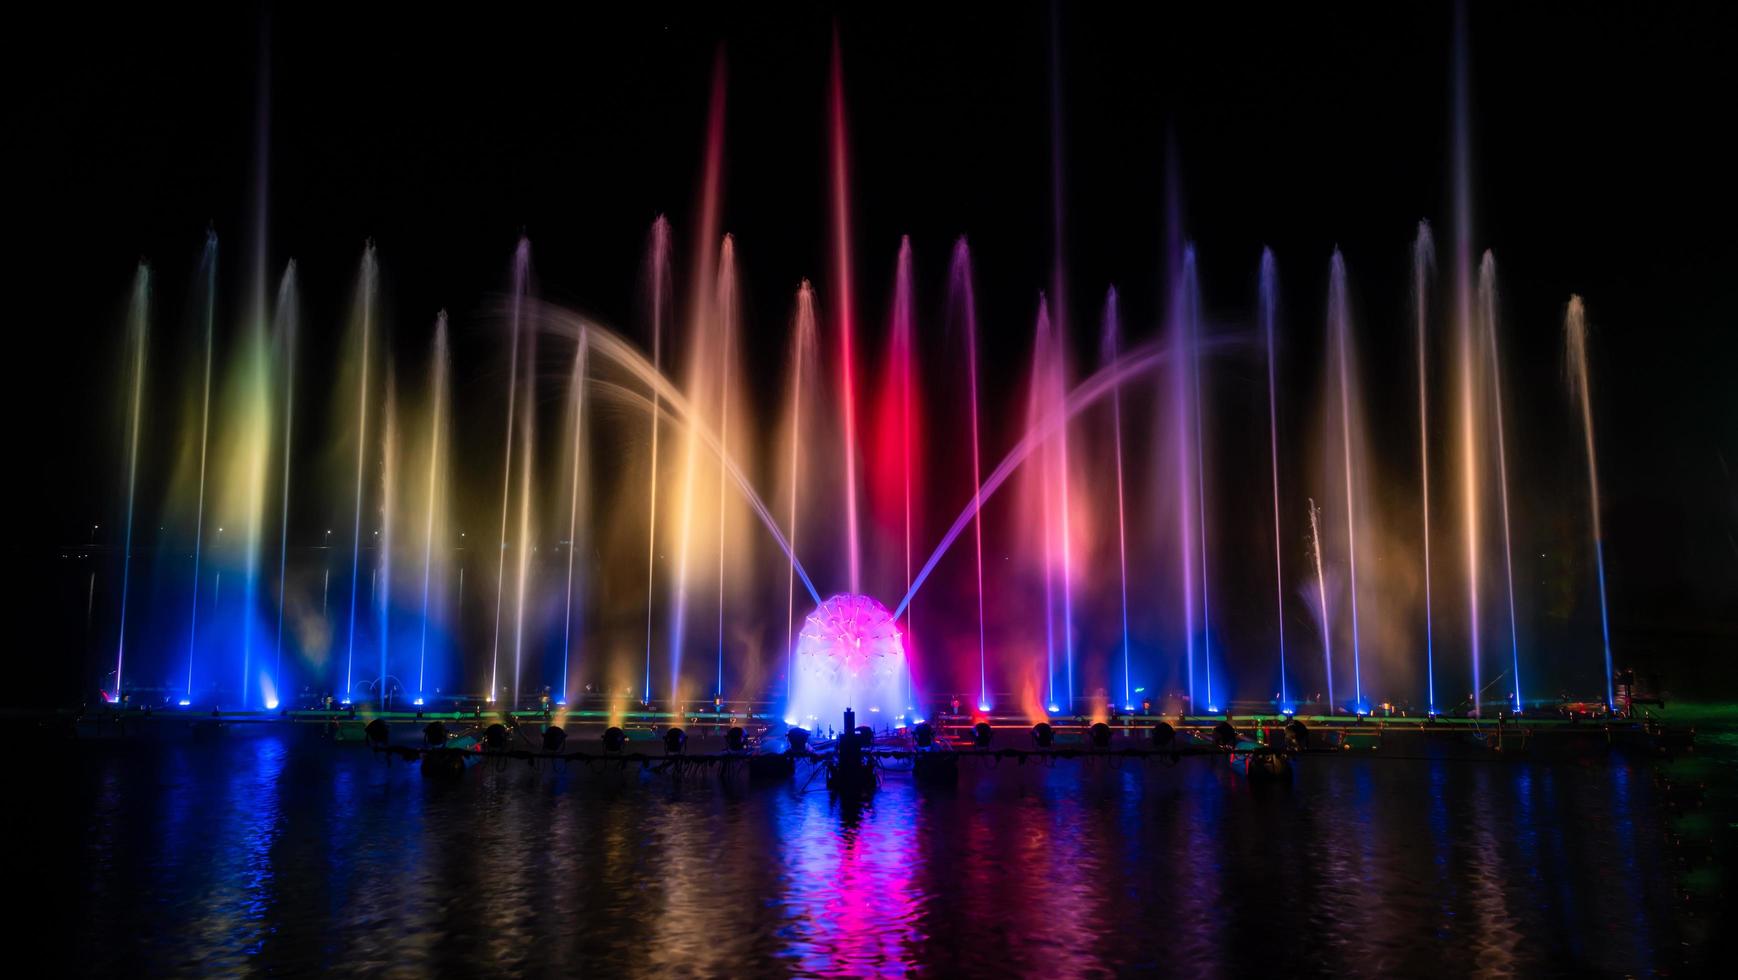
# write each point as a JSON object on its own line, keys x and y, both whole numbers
{"x": 1046, "y": 614}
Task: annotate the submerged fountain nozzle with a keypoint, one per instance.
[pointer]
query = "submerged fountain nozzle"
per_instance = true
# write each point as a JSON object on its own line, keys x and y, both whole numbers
{"x": 1043, "y": 734}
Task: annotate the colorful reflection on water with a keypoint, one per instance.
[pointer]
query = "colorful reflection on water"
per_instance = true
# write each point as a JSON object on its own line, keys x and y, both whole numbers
{"x": 270, "y": 852}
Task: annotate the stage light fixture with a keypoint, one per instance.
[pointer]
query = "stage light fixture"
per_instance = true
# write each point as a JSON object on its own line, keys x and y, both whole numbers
{"x": 1100, "y": 734}
{"x": 554, "y": 738}
{"x": 675, "y": 740}
{"x": 613, "y": 739}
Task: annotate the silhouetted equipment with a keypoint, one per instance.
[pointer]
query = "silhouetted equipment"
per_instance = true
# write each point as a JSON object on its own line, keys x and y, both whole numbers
{"x": 735, "y": 740}
{"x": 495, "y": 737}
{"x": 675, "y": 740}
{"x": 1297, "y": 734}
{"x": 554, "y": 738}
{"x": 1100, "y": 735}
{"x": 1224, "y": 736}
{"x": 613, "y": 739}
{"x": 434, "y": 735}
{"x": 923, "y": 735}
{"x": 1043, "y": 734}
{"x": 981, "y": 734}
{"x": 799, "y": 739}
{"x": 1163, "y": 735}
{"x": 376, "y": 732}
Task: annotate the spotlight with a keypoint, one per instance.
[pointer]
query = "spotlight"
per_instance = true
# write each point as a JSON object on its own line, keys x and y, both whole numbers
{"x": 790, "y": 721}
{"x": 924, "y": 735}
{"x": 554, "y": 737}
{"x": 1100, "y": 733}
{"x": 495, "y": 736}
{"x": 735, "y": 740}
{"x": 376, "y": 731}
{"x": 613, "y": 739}
{"x": 799, "y": 739}
{"x": 1043, "y": 734}
{"x": 184, "y": 703}
{"x": 983, "y": 706}
{"x": 1163, "y": 735}
{"x": 345, "y": 702}
{"x": 981, "y": 734}
{"x": 1224, "y": 736}
{"x": 417, "y": 702}
{"x": 434, "y": 735}
{"x": 675, "y": 740}
{"x": 271, "y": 704}
{"x": 1053, "y": 707}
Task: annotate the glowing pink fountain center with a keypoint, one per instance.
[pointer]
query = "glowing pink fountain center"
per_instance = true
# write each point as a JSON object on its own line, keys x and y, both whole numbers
{"x": 851, "y": 653}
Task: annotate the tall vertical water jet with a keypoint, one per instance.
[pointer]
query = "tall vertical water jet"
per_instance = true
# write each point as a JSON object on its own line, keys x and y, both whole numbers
{"x": 256, "y": 438}
{"x": 1192, "y": 312}
{"x": 659, "y": 275}
{"x": 1037, "y": 408}
{"x": 802, "y": 362}
{"x": 844, "y": 299}
{"x": 1112, "y": 339}
{"x": 726, "y": 312}
{"x": 286, "y": 314}
{"x": 138, "y": 321}
{"x": 698, "y": 344}
{"x": 527, "y": 454}
{"x": 1059, "y": 327}
{"x": 1423, "y": 264}
{"x": 1183, "y": 462}
{"x": 383, "y": 557}
{"x": 701, "y": 325}
{"x": 1322, "y": 594}
{"x": 365, "y": 304}
{"x": 1059, "y": 376}
{"x": 1465, "y": 330}
{"x": 1575, "y": 334}
{"x": 576, "y": 443}
{"x": 1488, "y": 315}
{"x": 962, "y": 299}
{"x": 207, "y": 266}
{"x": 1269, "y": 311}
{"x": 894, "y": 469}
{"x": 436, "y": 418}
{"x": 521, "y": 283}
{"x": 1340, "y": 326}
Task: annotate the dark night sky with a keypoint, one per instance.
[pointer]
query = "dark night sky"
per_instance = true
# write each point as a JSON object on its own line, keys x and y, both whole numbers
{"x": 1601, "y": 154}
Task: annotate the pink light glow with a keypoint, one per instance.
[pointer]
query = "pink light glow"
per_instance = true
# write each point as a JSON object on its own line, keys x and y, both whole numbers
{"x": 847, "y": 367}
